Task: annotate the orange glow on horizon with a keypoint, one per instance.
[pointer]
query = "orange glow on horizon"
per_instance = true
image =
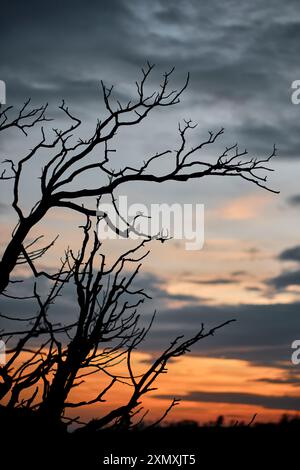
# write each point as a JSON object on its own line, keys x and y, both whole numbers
{"x": 191, "y": 373}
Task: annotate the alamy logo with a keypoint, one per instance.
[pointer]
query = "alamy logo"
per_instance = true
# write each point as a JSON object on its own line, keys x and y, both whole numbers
{"x": 296, "y": 354}
{"x": 2, "y": 353}
{"x": 160, "y": 221}
{"x": 295, "y": 96}
{"x": 2, "y": 92}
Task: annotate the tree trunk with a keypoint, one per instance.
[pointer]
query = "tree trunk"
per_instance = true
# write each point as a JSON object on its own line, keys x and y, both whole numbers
{"x": 53, "y": 404}
{"x": 14, "y": 248}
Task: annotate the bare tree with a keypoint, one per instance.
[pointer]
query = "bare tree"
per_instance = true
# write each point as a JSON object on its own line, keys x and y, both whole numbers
{"x": 105, "y": 333}
{"x": 68, "y": 161}
{"x": 48, "y": 357}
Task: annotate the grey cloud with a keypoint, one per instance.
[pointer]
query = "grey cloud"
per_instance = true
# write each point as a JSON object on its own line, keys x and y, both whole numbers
{"x": 281, "y": 402}
{"x": 285, "y": 279}
{"x": 288, "y": 277}
{"x": 294, "y": 200}
{"x": 56, "y": 55}
{"x": 253, "y": 289}
{"x": 290, "y": 379}
{"x": 290, "y": 254}
{"x": 215, "y": 281}
{"x": 262, "y": 334}
{"x": 66, "y": 308}
{"x": 242, "y": 57}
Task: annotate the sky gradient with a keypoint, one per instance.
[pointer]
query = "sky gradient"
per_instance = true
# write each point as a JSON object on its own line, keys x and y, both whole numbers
{"x": 242, "y": 57}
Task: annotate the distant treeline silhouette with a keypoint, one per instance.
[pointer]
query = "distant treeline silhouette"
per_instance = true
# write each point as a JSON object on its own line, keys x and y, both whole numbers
{"x": 215, "y": 441}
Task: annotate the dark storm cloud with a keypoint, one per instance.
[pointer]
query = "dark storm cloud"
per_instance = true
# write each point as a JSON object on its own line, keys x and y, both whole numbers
{"x": 262, "y": 334}
{"x": 25, "y": 306}
{"x": 281, "y": 402}
{"x": 294, "y": 200}
{"x": 64, "y": 49}
{"x": 285, "y": 279}
{"x": 242, "y": 57}
{"x": 290, "y": 254}
{"x": 65, "y": 308}
{"x": 288, "y": 277}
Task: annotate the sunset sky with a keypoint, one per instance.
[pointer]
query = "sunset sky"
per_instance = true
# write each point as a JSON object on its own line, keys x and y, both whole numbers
{"x": 242, "y": 57}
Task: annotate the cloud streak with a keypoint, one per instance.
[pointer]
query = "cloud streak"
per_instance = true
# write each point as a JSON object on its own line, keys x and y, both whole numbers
{"x": 281, "y": 402}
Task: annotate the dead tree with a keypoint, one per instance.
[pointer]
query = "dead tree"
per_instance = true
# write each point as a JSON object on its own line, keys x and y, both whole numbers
{"x": 105, "y": 332}
{"x": 47, "y": 358}
{"x": 69, "y": 160}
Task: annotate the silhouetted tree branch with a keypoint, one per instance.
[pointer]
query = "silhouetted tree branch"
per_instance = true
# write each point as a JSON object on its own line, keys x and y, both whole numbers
{"x": 69, "y": 160}
{"x": 50, "y": 358}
